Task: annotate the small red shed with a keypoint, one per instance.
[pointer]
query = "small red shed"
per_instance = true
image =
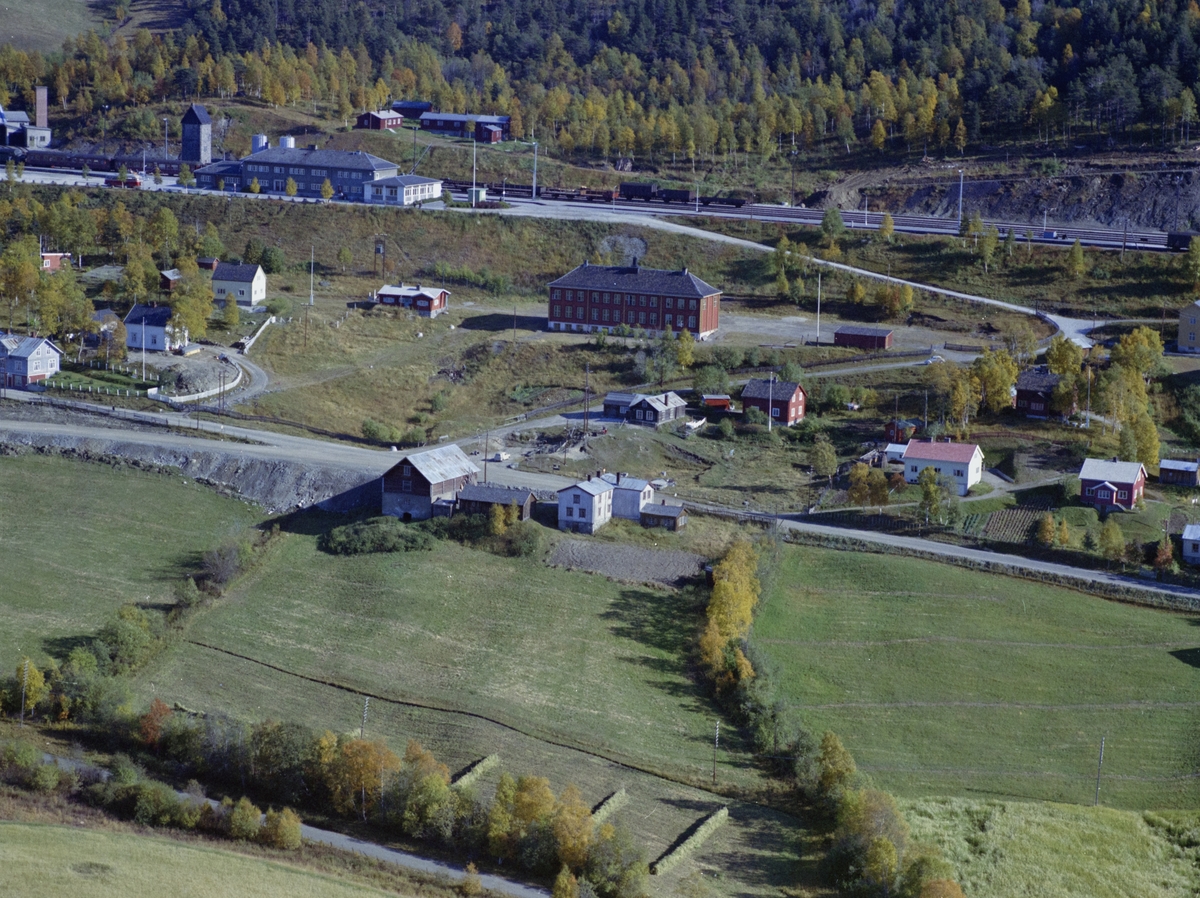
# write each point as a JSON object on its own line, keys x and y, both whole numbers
{"x": 863, "y": 337}
{"x": 379, "y": 120}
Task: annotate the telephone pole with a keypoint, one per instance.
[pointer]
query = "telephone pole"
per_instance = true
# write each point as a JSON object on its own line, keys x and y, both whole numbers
{"x": 1099, "y": 767}
{"x": 362, "y": 730}
{"x": 587, "y": 375}
{"x": 716, "y": 745}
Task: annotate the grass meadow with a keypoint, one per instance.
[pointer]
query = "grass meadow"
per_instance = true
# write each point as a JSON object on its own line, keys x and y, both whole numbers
{"x": 1009, "y": 849}
{"x": 948, "y": 682}
{"x": 92, "y": 537}
{"x": 42, "y": 861}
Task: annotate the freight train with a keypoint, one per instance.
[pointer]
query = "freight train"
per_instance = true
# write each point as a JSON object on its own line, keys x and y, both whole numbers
{"x": 97, "y": 162}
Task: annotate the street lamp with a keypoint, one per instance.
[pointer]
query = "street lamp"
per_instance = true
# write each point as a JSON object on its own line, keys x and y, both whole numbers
{"x": 794, "y": 155}
{"x": 960, "y": 194}
{"x": 166, "y": 150}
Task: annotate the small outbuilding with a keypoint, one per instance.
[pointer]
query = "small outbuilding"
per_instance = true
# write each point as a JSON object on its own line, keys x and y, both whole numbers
{"x": 900, "y": 431}
{"x": 169, "y": 280}
{"x": 402, "y": 190}
{"x": 52, "y": 262}
{"x": 863, "y": 337}
{"x": 479, "y": 498}
{"x": 1191, "y": 544}
{"x": 668, "y": 517}
{"x": 722, "y": 401}
{"x": 1178, "y": 472}
{"x": 379, "y": 120}
{"x": 428, "y": 302}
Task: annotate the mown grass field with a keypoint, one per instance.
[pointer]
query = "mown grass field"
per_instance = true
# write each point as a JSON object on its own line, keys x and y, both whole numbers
{"x": 1007, "y": 849}
{"x": 947, "y": 682}
{"x": 91, "y": 537}
{"x": 42, "y": 861}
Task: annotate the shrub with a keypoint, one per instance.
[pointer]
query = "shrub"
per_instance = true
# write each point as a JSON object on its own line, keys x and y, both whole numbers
{"x": 155, "y": 804}
{"x": 755, "y": 416}
{"x": 281, "y": 830}
{"x": 245, "y": 821}
{"x": 273, "y": 260}
{"x": 524, "y": 539}
{"x": 19, "y": 759}
{"x": 380, "y": 534}
{"x": 45, "y": 778}
{"x": 726, "y": 429}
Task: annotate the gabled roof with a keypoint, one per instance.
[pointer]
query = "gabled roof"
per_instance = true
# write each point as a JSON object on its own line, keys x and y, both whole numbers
{"x": 1037, "y": 379}
{"x": 440, "y": 464}
{"x": 635, "y": 279}
{"x": 382, "y": 113}
{"x": 626, "y": 482}
{"x": 591, "y": 487}
{"x": 616, "y": 398}
{"x": 172, "y": 274}
{"x": 153, "y": 316}
{"x": 1171, "y": 464}
{"x": 664, "y": 511}
{"x": 1114, "y": 471}
{"x": 355, "y": 160}
{"x": 762, "y": 388}
{"x": 233, "y": 271}
{"x": 661, "y": 402}
{"x": 856, "y": 331}
{"x": 196, "y": 115}
{"x": 962, "y": 453}
{"x": 18, "y": 347}
{"x": 220, "y": 168}
{"x": 1191, "y": 531}
{"x": 496, "y": 495}
{"x": 402, "y": 181}
{"x": 408, "y": 290}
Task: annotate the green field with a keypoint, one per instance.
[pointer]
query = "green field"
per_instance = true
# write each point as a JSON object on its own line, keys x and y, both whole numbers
{"x": 43, "y": 861}
{"x": 92, "y": 537}
{"x": 947, "y": 682}
{"x": 1003, "y": 849}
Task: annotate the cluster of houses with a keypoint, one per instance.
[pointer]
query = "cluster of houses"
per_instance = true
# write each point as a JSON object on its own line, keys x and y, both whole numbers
{"x": 443, "y": 481}
{"x": 482, "y": 128}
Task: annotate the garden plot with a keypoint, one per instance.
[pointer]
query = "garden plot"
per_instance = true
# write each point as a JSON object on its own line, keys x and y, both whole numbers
{"x": 627, "y": 563}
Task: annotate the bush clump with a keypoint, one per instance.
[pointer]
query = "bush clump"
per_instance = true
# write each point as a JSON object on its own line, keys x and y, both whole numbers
{"x": 381, "y": 534}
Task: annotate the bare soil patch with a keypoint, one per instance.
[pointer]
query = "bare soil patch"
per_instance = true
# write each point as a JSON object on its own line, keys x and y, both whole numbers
{"x": 627, "y": 563}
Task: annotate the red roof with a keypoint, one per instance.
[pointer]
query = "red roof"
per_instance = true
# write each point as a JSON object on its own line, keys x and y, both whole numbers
{"x": 950, "y": 452}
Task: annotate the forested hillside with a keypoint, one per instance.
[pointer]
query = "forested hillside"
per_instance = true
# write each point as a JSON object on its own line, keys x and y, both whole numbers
{"x": 690, "y": 77}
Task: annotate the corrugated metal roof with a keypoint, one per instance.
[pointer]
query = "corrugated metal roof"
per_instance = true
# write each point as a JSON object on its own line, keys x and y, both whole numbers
{"x": 19, "y": 347}
{"x": 635, "y": 279}
{"x": 591, "y": 487}
{"x": 919, "y": 450}
{"x": 1191, "y": 531}
{"x": 622, "y": 398}
{"x": 440, "y": 464}
{"x": 1114, "y": 471}
{"x": 661, "y": 402}
{"x": 1171, "y": 464}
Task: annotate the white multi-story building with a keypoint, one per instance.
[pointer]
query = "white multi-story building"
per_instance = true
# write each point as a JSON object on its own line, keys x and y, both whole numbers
{"x": 630, "y": 495}
{"x": 586, "y": 506}
{"x": 961, "y": 463}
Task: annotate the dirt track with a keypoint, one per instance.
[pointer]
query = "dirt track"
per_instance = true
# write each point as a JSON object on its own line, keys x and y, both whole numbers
{"x": 629, "y": 563}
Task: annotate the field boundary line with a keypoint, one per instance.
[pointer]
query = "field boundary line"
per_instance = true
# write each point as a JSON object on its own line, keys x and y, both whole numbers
{"x": 426, "y": 706}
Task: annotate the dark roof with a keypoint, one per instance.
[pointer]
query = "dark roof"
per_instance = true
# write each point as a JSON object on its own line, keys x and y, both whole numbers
{"x": 344, "y": 159}
{"x": 232, "y": 271}
{"x": 196, "y": 115}
{"x": 664, "y": 511}
{"x": 635, "y": 279}
{"x": 155, "y": 316}
{"x": 1038, "y": 379}
{"x": 455, "y": 117}
{"x": 496, "y": 495}
{"x": 763, "y": 389}
{"x": 411, "y": 106}
{"x": 854, "y": 330}
{"x": 221, "y": 167}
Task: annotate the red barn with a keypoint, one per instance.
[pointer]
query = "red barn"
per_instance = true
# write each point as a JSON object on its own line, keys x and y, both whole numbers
{"x": 1111, "y": 485}
{"x": 428, "y": 302}
{"x": 863, "y": 337}
{"x": 781, "y": 400}
{"x": 379, "y": 120}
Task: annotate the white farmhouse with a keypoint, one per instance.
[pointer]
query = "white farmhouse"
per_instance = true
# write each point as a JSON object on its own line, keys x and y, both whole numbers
{"x": 244, "y": 284}
{"x": 630, "y": 495}
{"x": 961, "y": 463}
{"x": 586, "y": 506}
{"x": 150, "y": 328}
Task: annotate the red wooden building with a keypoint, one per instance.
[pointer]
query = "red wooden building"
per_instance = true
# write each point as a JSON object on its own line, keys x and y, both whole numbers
{"x": 863, "y": 337}
{"x": 606, "y": 298}
{"x": 1111, "y": 485}
{"x": 379, "y": 120}
{"x": 783, "y": 401}
{"x": 54, "y": 261}
{"x": 428, "y": 302}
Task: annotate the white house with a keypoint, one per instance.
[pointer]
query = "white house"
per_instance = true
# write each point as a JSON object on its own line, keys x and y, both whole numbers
{"x": 1191, "y": 544}
{"x": 27, "y": 360}
{"x": 961, "y": 463}
{"x": 894, "y": 452}
{"x": 630, "y": 495}
{"x": 150, "y": 328}
{"x": 402, "y": 190}
{"x": 586, "y": 506}
{"x": 245, "y": 284}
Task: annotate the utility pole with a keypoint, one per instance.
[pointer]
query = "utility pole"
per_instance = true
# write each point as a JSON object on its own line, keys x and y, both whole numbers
{"x": 716, "y": 745}
{"x": 362, "y": 730}
{"x": 143, "y": 349}
{"x": 487, "y": 440}
{"x": 1099, "y": 767}
{"x": 312, "y": 258}
{"x": 770, "y": 401}
{"x": 587, "y": 381}
{"x": 1124, "y": 239}
{"x": 960, "y": 194}
{"x": 166, "y": 151}
{"x": 818, "y": 307}
{"x": 514, "y": 326}
{"x": 534, "y": 196}
{"x": 474, "y": 153}
{"x": 25, "y": 685}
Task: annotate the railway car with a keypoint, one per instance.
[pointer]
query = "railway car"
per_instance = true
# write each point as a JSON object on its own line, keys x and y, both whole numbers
{"x": 735, "y": 201}
{"x": 671, "y": 195}
{"x": 638, "y": 190}
{"x": 1179, "y": 241}
{"x": 131, "y": 180}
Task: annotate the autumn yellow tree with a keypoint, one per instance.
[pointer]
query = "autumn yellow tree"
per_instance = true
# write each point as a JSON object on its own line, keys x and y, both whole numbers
{"x": 859, "y": 492}
{"x": 572, "y": 827}
{"x": 356, "y": 772}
